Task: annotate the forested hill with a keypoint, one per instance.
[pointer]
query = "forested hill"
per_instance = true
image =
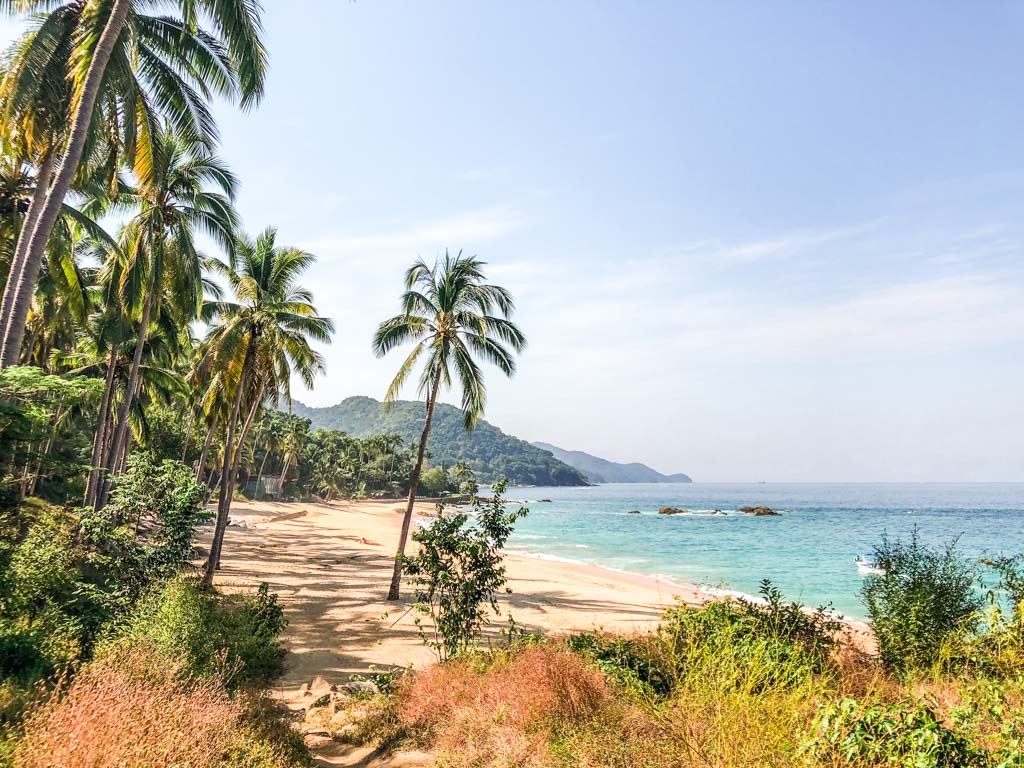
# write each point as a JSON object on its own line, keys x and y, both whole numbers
{"x": 489, "y": 451}
{"x": 600, "y": 470}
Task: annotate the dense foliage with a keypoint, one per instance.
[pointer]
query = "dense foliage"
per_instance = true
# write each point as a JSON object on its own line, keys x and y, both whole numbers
{"x": 487, "y": 450}
{"x": 924, "y": 598}
{"x": 106, "y": 595}
{"x": 67, "y": 574}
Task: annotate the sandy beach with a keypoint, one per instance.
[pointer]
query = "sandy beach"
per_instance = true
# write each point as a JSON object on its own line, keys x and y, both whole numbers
{"x": 331, "y": 564}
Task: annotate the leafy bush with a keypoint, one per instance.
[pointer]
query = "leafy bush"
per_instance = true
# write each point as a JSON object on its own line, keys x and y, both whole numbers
{"x": 49, "y": 595}
{"x": 234, "y": 636}
{"x": 65, "y": 577}
{"x": 632, "y": 663}
{"x": 21, "y": 657}
{"x": 853, "y": 733}
{"x": 740, "y": 644}
{"x": 458, "y": 571}
{"x": 148, "y": 525}
{"x": 925, "y": 597}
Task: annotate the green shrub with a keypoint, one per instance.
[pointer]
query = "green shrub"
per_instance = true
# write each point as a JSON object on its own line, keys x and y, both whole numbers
{"x": 21, "y": 656}
{"x": 149, "y": 524}
{"x": 627, "y": 661}
{"x": 853, "y": 733}
{"x": 49, "y": 592}
{"x": 233, "y": 636}
{"x": 925, "y": 597}
{"x": 458, "y": 572}
{"x": 992, "y": 710}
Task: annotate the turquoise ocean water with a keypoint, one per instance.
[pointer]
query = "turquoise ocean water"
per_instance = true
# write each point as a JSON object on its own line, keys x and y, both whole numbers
{"x": 808, "y": 552}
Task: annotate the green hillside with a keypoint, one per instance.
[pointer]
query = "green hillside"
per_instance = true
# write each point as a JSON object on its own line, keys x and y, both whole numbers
{"x": 489, "y": 451}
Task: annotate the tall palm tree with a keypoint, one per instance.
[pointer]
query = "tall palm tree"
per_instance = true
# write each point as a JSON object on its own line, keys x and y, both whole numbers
{"x": 187, "y": 190}
{"x": 294, "y": 436}
{"x": 448, "y": 312}
{"x": 259, "y": 340}
{"x": 230, "y": 60}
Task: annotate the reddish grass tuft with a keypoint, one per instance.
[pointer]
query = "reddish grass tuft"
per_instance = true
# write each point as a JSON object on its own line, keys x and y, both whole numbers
{"x": 506, "y": 714}
{"x": 130, "y": 710}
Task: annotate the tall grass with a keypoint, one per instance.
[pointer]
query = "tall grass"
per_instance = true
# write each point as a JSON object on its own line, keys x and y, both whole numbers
{"x": 135, "y": 708}
{"x": 731, "y": 685}
{"x": 131, "y": 710}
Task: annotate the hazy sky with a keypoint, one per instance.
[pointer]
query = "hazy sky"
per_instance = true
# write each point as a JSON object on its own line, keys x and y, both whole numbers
{"x": 749, "y": 241}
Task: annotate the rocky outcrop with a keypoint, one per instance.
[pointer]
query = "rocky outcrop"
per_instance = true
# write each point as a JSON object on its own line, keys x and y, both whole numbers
{"x": 673, "y": 511}
{"x": 632, "y": 511}
{"x": 760, "y": 511}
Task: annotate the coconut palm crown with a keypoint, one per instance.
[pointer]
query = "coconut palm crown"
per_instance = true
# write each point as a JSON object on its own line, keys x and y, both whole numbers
{"x": 453, "y": 316}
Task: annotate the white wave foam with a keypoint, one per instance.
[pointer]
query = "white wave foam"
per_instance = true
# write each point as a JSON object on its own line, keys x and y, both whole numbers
{"x": 546, "y": 556}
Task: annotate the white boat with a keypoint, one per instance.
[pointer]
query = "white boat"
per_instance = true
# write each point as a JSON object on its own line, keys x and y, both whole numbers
{"x": 867, "y": 565}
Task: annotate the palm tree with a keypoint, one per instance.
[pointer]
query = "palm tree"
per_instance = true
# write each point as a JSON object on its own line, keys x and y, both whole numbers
{"x": 260, "y": 340}
{"x": 158, "y": 259}
{"x": 230, "y": 61}
{"x": 293, "y": 439}
{"x": 447, "y": 310}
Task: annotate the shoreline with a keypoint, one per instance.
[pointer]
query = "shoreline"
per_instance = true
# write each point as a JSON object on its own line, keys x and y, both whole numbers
{"x": 689, "y": 594}
{"x": 331, "y": 564}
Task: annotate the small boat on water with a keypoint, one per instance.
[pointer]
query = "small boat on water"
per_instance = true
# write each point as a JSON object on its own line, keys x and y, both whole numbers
{"x": 867, "y": 565}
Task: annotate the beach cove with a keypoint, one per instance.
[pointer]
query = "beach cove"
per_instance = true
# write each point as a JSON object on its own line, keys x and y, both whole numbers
{"x": 330, "y": 564}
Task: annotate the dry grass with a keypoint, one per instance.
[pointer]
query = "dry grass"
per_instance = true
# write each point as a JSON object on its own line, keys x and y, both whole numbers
{"x": 505, "y": 714}
{"x": 131, "y": 711}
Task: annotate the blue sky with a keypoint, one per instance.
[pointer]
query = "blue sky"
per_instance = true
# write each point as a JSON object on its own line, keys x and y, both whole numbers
{"x": 749, "y": 241}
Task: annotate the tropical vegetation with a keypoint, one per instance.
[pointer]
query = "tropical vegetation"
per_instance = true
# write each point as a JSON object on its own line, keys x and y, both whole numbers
{"x": 118, "y": 422}
{"x": 146, "y": 384}
{"x": 491, "y": 453}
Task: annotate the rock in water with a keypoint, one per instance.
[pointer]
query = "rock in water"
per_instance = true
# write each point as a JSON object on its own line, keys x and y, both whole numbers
{"x": 673, "y": 511}
{"x": 760, "y": 511}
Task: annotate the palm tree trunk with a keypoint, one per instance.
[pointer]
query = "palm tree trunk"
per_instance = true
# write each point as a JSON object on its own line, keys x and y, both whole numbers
{"x": 99, "y": 440}
{"x": 121, "y": 431}
{"x": 188, "y": 433}
{"x": 284, "y": 471}
{"x": 263, "y": 464}
{"x": 122, "y": 459}
{"x": 224, "y": 498}
{"x": 201, "y": 465}
{"x": 14, "y": 309}
{"x": 396, "y": 576}
{"x": 246, "y": 428}
{"x": 43, "y": 179}
{"x": 34, "y": 481}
